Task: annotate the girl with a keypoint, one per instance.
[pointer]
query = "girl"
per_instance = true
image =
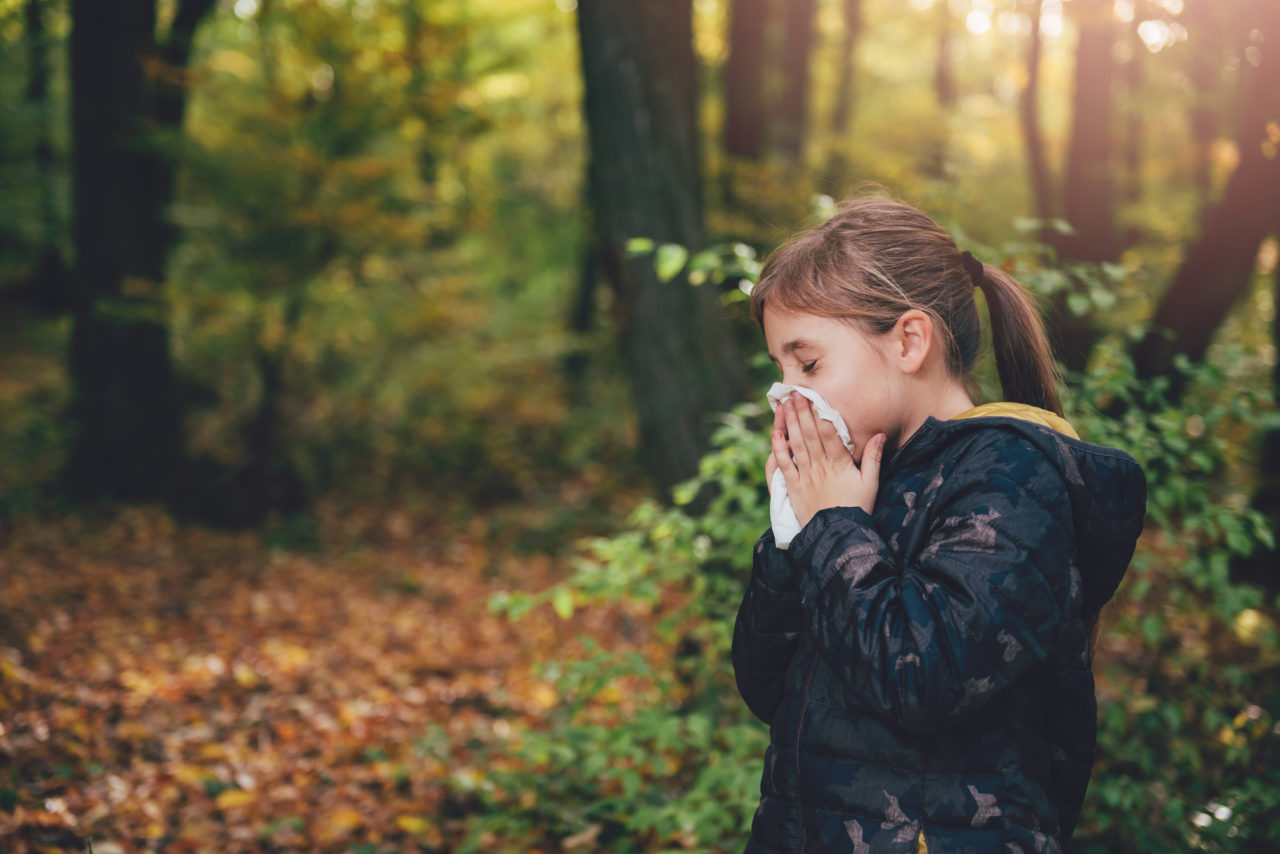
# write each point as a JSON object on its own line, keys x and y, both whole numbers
{"x": 921, "y": 649}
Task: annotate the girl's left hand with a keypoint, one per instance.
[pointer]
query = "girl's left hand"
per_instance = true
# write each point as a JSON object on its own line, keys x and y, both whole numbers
{"x": 819, "y": 471}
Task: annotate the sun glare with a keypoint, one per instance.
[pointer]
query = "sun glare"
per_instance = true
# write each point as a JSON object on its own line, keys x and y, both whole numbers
{"x": 978, "y": 21}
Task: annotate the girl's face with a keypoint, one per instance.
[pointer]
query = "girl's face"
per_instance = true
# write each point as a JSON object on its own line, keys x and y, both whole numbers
{"x": 844, "y": 365}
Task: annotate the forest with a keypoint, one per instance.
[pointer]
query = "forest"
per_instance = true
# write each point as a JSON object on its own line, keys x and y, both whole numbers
{"x": 383, "y": 424}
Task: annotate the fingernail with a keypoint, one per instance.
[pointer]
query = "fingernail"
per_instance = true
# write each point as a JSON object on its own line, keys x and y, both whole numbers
{"x": 777, "y": 434}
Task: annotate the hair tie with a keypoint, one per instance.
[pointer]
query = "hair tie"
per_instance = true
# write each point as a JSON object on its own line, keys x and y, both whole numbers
{"x": 975, "y": 268}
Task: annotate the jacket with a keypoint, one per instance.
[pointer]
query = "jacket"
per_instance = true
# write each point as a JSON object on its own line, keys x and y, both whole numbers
{"x": 925, "y": 670}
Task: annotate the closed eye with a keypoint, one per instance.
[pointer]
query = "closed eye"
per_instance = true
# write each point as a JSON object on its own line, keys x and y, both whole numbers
{"x": 806, "y": 367}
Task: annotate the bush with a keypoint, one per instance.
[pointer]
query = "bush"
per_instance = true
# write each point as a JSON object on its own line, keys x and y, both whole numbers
{"x": 1188, "y": 665}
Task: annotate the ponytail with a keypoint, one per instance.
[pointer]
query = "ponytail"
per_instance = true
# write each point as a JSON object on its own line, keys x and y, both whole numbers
{"x": 1024, "y": 359}
{"x": 877, "y": 258}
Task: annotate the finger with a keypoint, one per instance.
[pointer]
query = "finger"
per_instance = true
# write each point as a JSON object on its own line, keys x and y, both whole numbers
{"x": 780, "y": 418}
{"x": 809, "y": 428}
{"x": 830, "y": 437}
{"x": 871, "y": 455}
{"x": 795, "y": 437}
{"x": 770, "y": 466}
{"x": 781, "y": 456}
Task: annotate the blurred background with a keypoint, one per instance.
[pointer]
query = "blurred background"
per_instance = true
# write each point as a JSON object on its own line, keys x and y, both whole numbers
{"x": 381, "y": 439}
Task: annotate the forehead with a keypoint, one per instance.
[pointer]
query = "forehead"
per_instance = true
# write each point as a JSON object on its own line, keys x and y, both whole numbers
{"x": 789, "y": 331}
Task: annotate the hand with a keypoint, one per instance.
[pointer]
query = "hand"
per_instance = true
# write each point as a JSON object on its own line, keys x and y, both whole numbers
{"x": 819, "y": 471}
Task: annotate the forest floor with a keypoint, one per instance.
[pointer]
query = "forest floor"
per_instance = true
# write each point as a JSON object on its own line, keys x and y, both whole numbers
{"x": 172, "y": 688}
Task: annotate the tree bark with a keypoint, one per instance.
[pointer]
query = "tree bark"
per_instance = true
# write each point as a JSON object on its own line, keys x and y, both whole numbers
{"x": 1219, "y": 266}
{"x": 1263, "y": 567}
{"x": 744, "y": 126}
{"x": 644, "y": 180}
{"x": 1090, "y": 189}
{"x": 127, "y": 442}
{"x": 1029, "y": 114}
{"x": 48, "y": 288}
{"x": 842, "y": 113}
{"x": 791, "y": 112}
{"x": 1133, "y": 129}
{"x": 945, "y": 92}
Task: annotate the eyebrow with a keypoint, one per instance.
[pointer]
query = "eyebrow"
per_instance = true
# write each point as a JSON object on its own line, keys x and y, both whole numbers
{"x": 792, "y": 346}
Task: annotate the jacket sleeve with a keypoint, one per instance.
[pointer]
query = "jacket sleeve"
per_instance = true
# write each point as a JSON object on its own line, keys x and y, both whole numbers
{"x": 767, "y": 630}
{"x": 981, "y": 600}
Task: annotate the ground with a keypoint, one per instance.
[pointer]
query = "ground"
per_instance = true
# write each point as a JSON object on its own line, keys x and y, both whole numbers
{"x": 173, "y": 688}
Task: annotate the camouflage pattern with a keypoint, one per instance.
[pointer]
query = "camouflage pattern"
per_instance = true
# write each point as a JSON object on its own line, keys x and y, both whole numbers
{"x": 925, "y": 671}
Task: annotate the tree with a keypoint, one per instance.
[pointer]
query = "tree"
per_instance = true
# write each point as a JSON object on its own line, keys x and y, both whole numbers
{"x": 126, "y": 88}
{"x": 1090, "y": 192}
{"x": 842, "y": 112}
{"x": 1219, "y": 265}
{"x": 744, "y": 80}
{"x": 791, "y": 112}
{"x": 1029, "y": 114}
{"x": 48, "y": 286}
{"x": 644, "y": 180}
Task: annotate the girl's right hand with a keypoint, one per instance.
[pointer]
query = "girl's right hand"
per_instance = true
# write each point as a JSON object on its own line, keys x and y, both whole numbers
{"x": 819, "y": 471}
{"x": 771, "y": 464}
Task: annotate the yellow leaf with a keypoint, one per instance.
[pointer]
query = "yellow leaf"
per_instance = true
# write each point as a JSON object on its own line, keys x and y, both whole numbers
{"x": 413, "y": 824}
{"x": 232, "y": 798}
{"x": 338, "y": 823}
{"x": 193, "y": 775}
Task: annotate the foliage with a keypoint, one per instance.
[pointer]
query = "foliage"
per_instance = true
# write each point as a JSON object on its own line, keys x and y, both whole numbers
{"x": 1188, "y": 668}
{"x": 169, "y": 688}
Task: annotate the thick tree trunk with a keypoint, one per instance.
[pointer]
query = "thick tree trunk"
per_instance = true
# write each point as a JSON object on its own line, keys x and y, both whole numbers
{"x": 1090, "y": 189}
{"x": 791, "y": 112}
{"x": 644, "y": 180}
{"x": 128, "y": 440}
{"x": 1029, "y": 114}
{"x": 744, "y": 125}
{"x": 1219, "y": 266}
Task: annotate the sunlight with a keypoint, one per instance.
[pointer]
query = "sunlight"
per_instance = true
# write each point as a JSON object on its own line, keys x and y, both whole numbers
{"x": 1051, "y": 19}
{"x": 978, "y": 21}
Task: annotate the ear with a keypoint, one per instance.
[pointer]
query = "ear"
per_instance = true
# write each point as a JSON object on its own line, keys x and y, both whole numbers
{"x": 912, "y": 340}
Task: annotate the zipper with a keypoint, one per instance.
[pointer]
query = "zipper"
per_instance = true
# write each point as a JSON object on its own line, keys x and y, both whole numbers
{"x": 804, "y": 701}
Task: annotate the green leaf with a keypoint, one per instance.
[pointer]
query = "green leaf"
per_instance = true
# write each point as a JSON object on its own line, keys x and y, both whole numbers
{"x": 562, "y": 602}
{"x": 640, "y": 245}
{"x": 670, "y": 260}
{"x": 1079, "y": 304}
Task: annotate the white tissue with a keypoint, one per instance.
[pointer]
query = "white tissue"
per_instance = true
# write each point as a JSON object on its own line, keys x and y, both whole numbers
{"x": 781, "y": 514}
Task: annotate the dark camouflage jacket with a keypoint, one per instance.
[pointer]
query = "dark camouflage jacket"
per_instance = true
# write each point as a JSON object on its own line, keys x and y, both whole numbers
{"x": 924, "y": 671}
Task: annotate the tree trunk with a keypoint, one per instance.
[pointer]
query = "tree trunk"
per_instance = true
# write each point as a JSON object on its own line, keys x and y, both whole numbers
{"x": 1263, "y": 567}
{"x": 1029, "y": 113}
{"x": 1133, "y": 129}
{"x": 744, "y": 80}
{"x": 791, "y": 112}
{"x": 644, "y": 180}
{"x": 128, "y": 441}
{"x": 842, "y": 113}
{"x": 1219, "y": 266}
{"x": 48, "y": 287}
{"x": 1090, "y": 193}
{"x": 945, "y": 91}
{"x": 1204, "y": 73}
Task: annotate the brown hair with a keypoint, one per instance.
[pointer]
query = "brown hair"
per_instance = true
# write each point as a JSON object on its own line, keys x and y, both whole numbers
{"x": 877, "y": 258}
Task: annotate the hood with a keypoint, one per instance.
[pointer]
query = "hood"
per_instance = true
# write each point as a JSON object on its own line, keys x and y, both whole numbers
{"x": 1106, "y": 487}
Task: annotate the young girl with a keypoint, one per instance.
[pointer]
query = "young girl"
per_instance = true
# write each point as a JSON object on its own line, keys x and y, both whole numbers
{"x": 921, "y": 648}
